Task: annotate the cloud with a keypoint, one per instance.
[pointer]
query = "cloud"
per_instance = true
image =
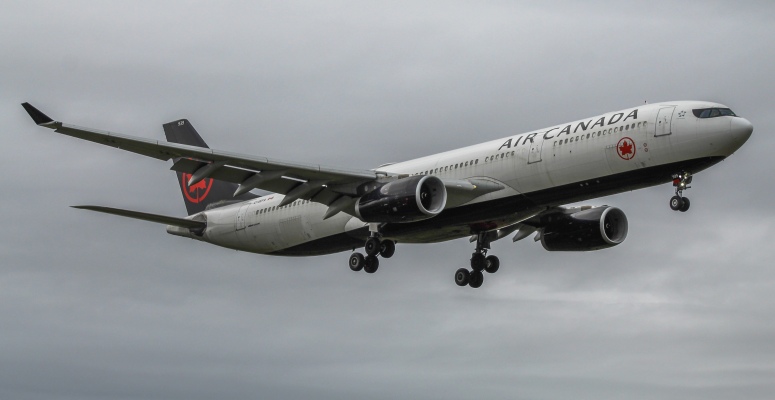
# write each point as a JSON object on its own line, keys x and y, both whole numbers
{"x": 96, "y": 306}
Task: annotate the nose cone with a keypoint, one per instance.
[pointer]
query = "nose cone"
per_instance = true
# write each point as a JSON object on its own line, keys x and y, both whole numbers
{"x": 740, "y": 129}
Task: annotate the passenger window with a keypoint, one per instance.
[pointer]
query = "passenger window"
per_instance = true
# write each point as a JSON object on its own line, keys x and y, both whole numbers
{"x": 512, "y": 153}
{"x": 566, "y": 141}
{"x": 616, "y": 129}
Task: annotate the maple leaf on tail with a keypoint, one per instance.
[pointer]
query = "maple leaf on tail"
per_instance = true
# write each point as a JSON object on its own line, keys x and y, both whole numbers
{"x": 199, "y": 185}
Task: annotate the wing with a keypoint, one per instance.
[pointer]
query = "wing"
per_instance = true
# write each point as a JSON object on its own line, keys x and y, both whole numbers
{"x": 337, "y": 188}
{"x": 296, "y": 180}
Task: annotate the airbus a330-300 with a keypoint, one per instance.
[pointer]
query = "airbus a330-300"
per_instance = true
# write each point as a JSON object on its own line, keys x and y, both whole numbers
{"x": 516, "y": 185}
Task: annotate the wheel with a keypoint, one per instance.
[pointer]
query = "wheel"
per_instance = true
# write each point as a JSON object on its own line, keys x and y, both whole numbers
{"x": 462, "y": 276}
{"x": 357, "y": 262}
{"x": 676, "y": 202}
{"x": 492, "y": 264}
{"x": 387, "y": 248}
{"x": 372, "y": 246}
{"x": 477, "y": 261}
{"x": 685, "y": 206}
{"x": 476, "y": 279}
{"x": 371, "y": 264}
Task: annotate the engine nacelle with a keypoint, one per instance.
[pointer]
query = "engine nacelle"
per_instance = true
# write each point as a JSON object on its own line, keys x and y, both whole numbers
{"x": 592, "y": 229}
{"x": 403, "y": 200}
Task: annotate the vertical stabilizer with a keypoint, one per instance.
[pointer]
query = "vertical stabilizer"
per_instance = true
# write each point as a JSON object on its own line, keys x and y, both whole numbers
{"x": 207, "y": 191}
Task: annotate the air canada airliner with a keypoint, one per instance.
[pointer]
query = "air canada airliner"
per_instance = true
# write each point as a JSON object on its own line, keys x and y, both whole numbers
{"x": 512, "y": 186}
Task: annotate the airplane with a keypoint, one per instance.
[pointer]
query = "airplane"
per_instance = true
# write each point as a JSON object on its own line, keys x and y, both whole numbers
{"x": 516, "y": 185}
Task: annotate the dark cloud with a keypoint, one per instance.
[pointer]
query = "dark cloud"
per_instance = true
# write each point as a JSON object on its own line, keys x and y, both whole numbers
{"x": 98, "y": 306}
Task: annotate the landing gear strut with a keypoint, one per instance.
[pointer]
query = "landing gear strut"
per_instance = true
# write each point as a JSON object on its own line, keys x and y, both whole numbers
{"x": 681, "y": 182}
{"x": 480, "y": 261}
{"x": 375, "y": 246}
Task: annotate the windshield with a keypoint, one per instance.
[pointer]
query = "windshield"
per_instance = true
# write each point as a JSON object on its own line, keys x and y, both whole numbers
{"x": 713, "y": 112}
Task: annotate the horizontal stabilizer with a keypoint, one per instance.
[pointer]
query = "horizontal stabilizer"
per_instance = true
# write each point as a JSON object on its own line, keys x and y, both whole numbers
{"x": 161, "y": 219}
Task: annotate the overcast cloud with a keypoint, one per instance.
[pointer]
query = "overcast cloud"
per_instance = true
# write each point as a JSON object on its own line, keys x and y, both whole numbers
{"x": 96, "y": 306}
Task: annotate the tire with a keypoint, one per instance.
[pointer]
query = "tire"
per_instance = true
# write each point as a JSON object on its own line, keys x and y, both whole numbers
{"x": 685, "y": 206}
{"x": 476, "y": 279}
{"x": 492, "y": 264}
{"x": 357, "y": 262}
{"x": 387, "y": 248}
{"x": 462, "y": 277}
{"x": 371, "y": 264}
{"x": 372, "y": 246}
{"x": 477, "y": 261}
{"x": 676, "y": 203}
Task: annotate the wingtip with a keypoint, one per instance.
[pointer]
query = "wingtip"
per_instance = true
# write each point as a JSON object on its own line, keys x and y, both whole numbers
{"x": 36, "y": 114}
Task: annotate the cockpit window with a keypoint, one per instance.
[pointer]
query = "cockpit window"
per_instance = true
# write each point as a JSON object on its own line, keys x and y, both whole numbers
{"x": 713, "y": 112}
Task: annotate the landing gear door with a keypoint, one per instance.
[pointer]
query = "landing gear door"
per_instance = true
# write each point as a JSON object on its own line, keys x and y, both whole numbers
{"x": 536, "y": 144}
{"x": 664, "y": 123}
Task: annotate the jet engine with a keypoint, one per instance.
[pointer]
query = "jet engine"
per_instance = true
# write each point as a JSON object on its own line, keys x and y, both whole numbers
{"x": 403, "y": 200}
{"x": 591, "y": 229}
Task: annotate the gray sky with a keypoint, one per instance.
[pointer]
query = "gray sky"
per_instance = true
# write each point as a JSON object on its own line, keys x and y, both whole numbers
{"x": 94, "y": 306}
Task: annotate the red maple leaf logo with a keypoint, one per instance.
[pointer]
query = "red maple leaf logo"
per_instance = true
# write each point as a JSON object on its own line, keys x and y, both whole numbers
{"x": 198, "y": 191}
{"x": 201, "y": 185}
{"x": 626, "y": 148}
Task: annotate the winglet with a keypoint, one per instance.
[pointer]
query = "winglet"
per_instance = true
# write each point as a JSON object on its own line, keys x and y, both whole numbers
{"x": 36, "y": 115}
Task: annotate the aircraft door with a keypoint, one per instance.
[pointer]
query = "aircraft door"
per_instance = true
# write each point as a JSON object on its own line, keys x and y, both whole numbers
{"x": 241, "y": 221}
{"x": 535, "y": 149}
{"x": 664, "y": 123}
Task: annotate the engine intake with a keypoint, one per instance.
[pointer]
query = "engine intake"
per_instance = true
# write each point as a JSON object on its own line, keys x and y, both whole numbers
{"x": 404, "y": 200}
{"x": 592, "y": 229}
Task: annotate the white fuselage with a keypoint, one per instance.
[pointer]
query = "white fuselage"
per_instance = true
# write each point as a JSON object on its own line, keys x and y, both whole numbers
{"x": 592, "y": 157}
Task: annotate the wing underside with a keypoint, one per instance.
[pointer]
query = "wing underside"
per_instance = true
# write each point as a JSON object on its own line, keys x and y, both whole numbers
{"x": 295, "y": 180}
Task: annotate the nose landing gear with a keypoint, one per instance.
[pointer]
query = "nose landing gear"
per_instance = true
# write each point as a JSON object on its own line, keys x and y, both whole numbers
{"x": 681, "y": 182}
{"x": 480, "y": 261}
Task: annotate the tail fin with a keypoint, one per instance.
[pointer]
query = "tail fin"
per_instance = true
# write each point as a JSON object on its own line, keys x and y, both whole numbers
{"x": 208, "y": 191}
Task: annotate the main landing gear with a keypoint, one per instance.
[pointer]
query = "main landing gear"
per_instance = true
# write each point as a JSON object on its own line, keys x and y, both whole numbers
{"x": 681, "y": 181}
{"x": 374, "y": 246}
{"x": 479, "y": 261}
